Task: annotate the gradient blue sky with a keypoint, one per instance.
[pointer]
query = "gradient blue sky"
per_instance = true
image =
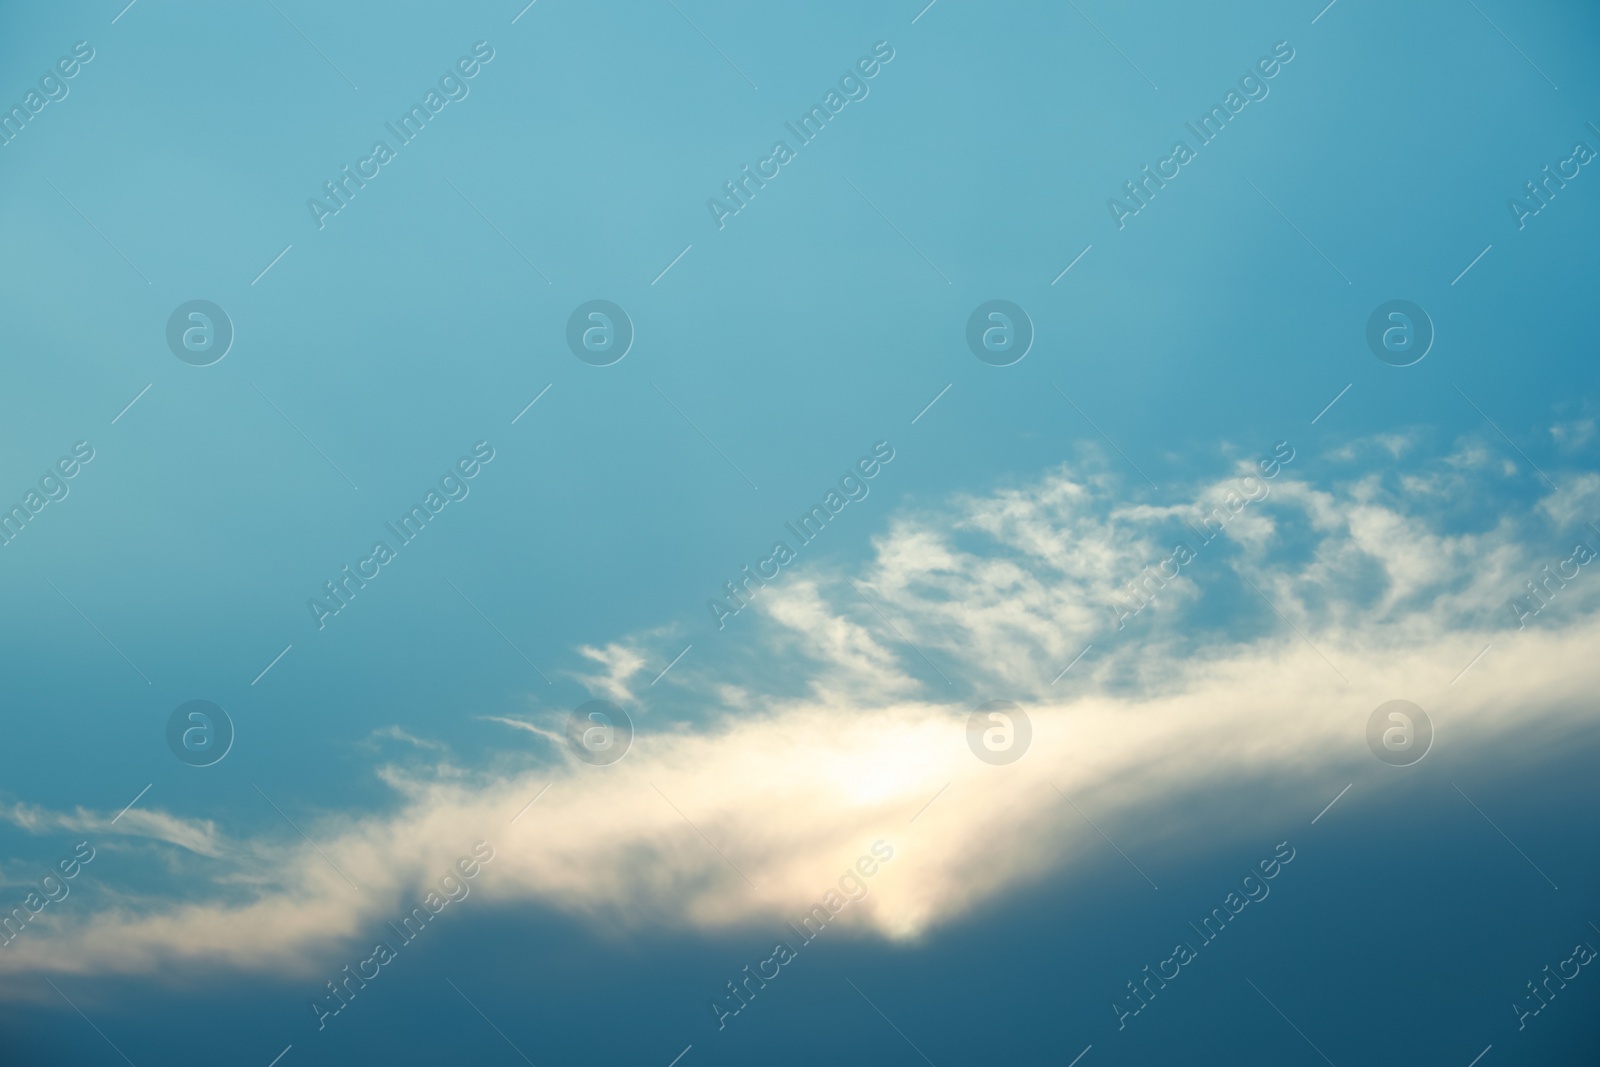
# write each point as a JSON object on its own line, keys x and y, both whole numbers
{"x": 822, "y": 319}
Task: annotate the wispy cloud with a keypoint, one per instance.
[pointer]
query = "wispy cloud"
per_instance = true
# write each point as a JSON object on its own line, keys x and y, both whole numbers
{"x": 620, "y": 663}
{"x": 790, "y": 772}
{"x": 553, "y": 736}
{"x": 198, "y": 836}
{"x": 396, "y": 733}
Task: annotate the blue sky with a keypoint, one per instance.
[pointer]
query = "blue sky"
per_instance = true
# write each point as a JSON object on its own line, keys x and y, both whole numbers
{"x": 425, "y": 326}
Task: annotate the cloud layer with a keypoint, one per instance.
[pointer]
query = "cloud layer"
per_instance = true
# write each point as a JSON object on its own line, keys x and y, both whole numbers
{"x": 1254, "y": 668}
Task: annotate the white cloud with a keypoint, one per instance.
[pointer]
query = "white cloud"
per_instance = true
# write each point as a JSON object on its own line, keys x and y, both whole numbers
{"x": 395, "y": 733}
{"x": 195, "y": 835}
{"x": 1573, "y": 434}
{"x": 619, "y": 662}
{"x": 552, "y": 736}
{"x": 1166, "y": 722}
